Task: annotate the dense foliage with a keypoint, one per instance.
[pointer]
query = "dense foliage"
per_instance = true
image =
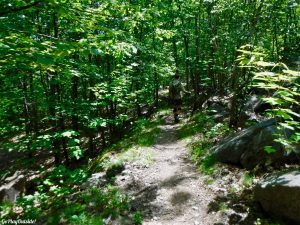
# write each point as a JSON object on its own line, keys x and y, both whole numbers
{"x": 75, "y": 74}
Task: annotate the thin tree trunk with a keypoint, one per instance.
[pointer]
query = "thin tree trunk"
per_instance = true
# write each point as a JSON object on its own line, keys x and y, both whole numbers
{"x": 233, "y": 110}
{"x": 26, "y": 112}
{"x": 34, "y": 114}
{"x": 53, "y": 120}
{"x": 156, "y": 89}
{"x": 53, "y": 94}
{"x": 210, "y": 71}
{"x": 187, "y": 59}
{"x": 75, "y": 80}
{"x": 197, "y": 58}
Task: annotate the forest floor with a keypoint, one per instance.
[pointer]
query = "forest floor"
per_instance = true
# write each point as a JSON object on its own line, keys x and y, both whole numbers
{"x": 168, "y": 188}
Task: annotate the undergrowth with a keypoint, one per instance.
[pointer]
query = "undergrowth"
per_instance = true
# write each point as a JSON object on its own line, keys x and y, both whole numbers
{"x": 203, "y": 133}
{"x": 143, "y": 134}
{"x": 60, "y": 199}
{"x": 196, "y": 124}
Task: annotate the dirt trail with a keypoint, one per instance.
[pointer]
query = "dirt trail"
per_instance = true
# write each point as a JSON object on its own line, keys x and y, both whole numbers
{"x": 170, "y": 190}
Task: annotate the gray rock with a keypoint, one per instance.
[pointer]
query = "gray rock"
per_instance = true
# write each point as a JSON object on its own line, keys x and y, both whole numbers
{"x": 247, "y": 147}
{"x": 217, "y": 103}
{"x": 13, "y": 187}
{"x": 219, "y": 107}
{"x": 248, "y": 109}
{"x": 279, "y": 196}
{"x": 96, "y": 180}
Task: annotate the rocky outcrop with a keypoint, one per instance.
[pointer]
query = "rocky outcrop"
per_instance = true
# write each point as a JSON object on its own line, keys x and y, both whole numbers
{"x": 279, "y": 195}
{"x": 102, "y": 178}
{"x": 247, "y": 147}
{"x": 218, "y": 106}
{"x": 96, "y": 180}
{"x": 250, "y": 106}
{"x": 13, "y": 187}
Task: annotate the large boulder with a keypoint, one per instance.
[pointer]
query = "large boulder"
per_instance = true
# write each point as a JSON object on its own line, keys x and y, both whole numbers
{"x": 247, "y": 146}
{"x": 13, "y": 187}
{"x": 279, "y": 195}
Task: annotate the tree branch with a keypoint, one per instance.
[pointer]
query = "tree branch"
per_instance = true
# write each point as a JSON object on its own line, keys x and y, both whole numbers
{"x": 14, "y": 10}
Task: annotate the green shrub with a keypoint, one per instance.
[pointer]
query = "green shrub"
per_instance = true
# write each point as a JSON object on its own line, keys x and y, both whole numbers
{"x": 59, "y": 200}
{"x": 282, "y": 87}
{"x": 197, "y": 124}
{"x": 138, "y": 217}
{"x": 208, "y": 132}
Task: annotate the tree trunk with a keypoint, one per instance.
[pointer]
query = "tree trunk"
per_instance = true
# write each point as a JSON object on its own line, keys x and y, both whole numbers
{"x": 27, "y": 116}
{"x": 53, "y": 120}
{"x": 52, "y": 112}
{"x": 187, "y": 59}
{"x": 156, "y": 89}
{"x": 74, "y": 119}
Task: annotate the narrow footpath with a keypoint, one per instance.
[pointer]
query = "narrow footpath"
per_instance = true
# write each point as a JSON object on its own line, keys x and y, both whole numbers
{"x": 170, "y": 190}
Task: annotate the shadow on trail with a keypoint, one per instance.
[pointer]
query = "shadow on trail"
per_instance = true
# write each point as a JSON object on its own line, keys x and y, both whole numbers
{"x": 180, "y": 197}
{"x": 144, "y": 200}
{"x": 175, "y": 180}
{"x": 168, "y": 135}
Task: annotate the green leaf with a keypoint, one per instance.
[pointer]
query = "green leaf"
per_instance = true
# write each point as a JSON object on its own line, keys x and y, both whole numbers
{"x": 69, "y": 133}
{"x": 47, "y": 182}
{"x": 134, "y": 49}
{"x": 264, "y": 64}
{"x": 45, "y": 60}
{"x": 269, "y": 149}
{"x": 283, "y": 114}
{"x": 286, "y": 125}
{"x": 266, "y": 74}
{"x": 272, "y": 100}
{"x": 296, "y": 137}
{"x": 292, "y": 72}
{"x": 76, "y": 152}
{"x": 4, "y": 46}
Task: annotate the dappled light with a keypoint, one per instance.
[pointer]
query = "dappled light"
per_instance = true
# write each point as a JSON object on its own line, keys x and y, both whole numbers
{"x": 150, "y": 112}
